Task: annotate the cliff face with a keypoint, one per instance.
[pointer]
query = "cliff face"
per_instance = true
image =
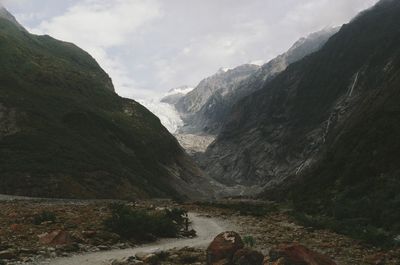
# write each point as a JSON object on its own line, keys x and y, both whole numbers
{"x": 190, "y": 105}
{"x": 325, "y": 132}
{"x": 279, "y": 130}
{"x": 64, "y": 132}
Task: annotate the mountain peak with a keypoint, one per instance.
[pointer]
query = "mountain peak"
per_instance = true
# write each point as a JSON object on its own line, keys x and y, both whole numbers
{"x": 8, "y": 16}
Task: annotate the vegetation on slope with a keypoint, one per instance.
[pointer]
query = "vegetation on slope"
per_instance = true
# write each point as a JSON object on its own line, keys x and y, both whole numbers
{"x": 65, "y": 133}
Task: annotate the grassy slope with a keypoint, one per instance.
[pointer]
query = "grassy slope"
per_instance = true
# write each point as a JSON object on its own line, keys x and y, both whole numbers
{"x": 75, "y": 137}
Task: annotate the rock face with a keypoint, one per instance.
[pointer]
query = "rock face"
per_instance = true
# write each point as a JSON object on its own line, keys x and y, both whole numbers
{"x": 221, "y": 83}
{"x": 295, "y": 254}
{"x": 213, "y": 114}
{"x": 326, "y": 130}
{"x": 77, "y": 138}
{"x": 223, "y": 248}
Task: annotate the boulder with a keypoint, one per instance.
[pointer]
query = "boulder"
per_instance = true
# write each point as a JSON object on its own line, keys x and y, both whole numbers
{"x": 295, "y": 254}
{"x": 223, "y": 247}
{"x": 56, "y": 237}
{"x": 247, "y": 256}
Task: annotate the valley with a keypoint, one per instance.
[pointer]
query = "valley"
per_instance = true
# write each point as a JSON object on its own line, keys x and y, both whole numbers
{"x": 289, "y": 161}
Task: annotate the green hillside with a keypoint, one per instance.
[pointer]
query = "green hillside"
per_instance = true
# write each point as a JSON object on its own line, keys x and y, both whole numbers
{"x": 64, "y": 132}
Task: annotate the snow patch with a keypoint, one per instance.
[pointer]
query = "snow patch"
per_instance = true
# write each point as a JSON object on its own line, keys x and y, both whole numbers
{"x": 179, "y": 90}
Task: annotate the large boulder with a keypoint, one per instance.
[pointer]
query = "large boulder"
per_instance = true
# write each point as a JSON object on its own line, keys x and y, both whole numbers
{"x": 223, "y": 248}
{"x": 57, "y": 237}
{"x": 295, "y": 254}
{"x": 247, "y": 256}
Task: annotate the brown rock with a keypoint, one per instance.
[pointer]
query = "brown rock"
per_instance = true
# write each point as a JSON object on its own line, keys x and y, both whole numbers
{"x": 247, "y": 256}
{"x": 295, "y": 254}
{"x": 223, "y": 247}
{"x": 57, "y": 237}
{"x": 15, "y": 227}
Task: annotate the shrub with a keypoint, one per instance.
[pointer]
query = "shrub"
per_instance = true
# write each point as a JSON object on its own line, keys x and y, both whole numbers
{"x": 357, "y": 228}
{"x": 177, "y": 215}
{"x": 139, "y": 224}
{"x": 249, "y": 241}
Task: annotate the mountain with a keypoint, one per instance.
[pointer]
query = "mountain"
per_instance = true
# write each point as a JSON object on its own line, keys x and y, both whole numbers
{"x": 206, "y": 108}
{"x": 212, "y": 115}
{"x": 175, "y": 94}
{"x": 220, "y": 83}
{"x": 325, "y": 132}
{"x": 4, "y": 14}
{"x": 64, "y": 132}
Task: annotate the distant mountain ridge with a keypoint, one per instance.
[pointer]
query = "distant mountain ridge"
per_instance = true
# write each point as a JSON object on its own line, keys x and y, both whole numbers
{"x": 65, "y": 133}
{"x": 205, "y": 109}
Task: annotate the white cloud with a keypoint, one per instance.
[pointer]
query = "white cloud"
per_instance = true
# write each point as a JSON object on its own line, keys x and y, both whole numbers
{"x": 149, "y": 46}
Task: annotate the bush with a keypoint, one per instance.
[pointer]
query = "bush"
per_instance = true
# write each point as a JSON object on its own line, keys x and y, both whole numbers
{"x": 177, "y": 215}
{"x": 139, "y": 224}
{"x": 356, "y": 228}
{"x": 44, "y": 216}
{"x": 249, "y": 241}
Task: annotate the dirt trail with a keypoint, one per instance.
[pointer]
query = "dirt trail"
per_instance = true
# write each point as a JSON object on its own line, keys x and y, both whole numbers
{"x": 206, "y": 228}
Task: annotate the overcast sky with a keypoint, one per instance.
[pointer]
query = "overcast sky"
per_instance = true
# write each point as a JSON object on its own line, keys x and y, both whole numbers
{"x": 150, "y": 46}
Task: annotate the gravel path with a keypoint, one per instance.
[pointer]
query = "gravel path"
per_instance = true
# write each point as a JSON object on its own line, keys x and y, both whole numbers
{"x": 206, "y": 228}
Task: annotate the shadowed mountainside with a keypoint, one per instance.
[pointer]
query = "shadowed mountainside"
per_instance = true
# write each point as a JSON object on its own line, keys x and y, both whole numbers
{"x": 64, "y": 132}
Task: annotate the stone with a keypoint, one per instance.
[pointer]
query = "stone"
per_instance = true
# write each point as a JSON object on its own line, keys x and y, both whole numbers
{"x": 8, "y": 254}
{"x": 56, "y": 237}
{"x": 151, "y": 259}
{"x": 247, "y": 256}
{"x": 89, "y": 234}
{"x": 141, "y": 255}
{"x": 224, "y": 246}
{"x": 15, "y": 227}
{"x": 295, "y": 254}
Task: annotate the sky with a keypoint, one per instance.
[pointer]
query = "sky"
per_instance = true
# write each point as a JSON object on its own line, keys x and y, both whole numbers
{"x": 151, "y": 46}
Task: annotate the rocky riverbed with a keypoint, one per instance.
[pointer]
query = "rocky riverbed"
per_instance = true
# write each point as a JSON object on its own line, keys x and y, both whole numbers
{"x": 78, "y": 228}
{"x": 33, "y": 230}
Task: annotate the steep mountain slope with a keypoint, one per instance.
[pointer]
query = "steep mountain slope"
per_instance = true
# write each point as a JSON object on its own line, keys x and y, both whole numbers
{"x": 205, "y": 109}
{"x": 220, "y": 83}
{"x": 327, "y": 128}
{"x": 64, "y": 132}
{"x": 213, "y": 113}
